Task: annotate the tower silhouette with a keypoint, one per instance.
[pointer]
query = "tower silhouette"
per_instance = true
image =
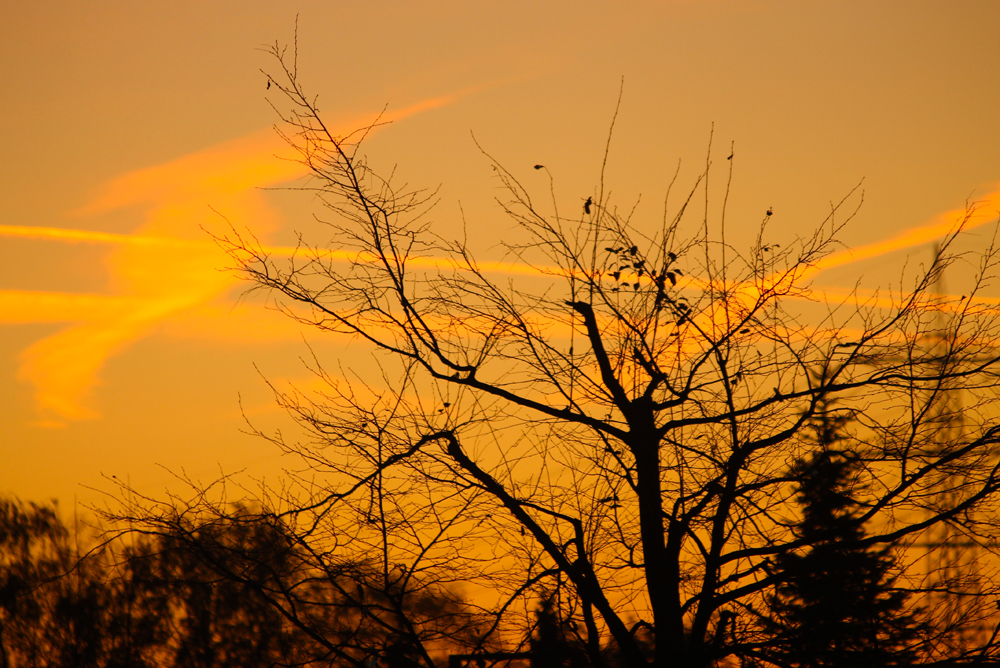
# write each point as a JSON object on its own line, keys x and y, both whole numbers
{"x": 952, "y": 556}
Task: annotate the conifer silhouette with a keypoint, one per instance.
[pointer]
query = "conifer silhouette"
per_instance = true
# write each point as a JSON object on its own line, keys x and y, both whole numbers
{"x": 550, "y": 646}
{"x": 836, "y": 604}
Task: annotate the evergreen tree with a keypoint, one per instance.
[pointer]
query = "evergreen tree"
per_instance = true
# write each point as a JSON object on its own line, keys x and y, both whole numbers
{"x": 836, "y": 604}
{"x": 550, "y": 646}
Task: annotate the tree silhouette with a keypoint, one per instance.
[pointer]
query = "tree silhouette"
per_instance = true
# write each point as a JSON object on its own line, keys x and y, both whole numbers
{"x": 201, "y": 596}
{"x": 247, "y": 591}
{"x": 60, "y": 608}
{"x": 836, "y": 603}
{"x": 615, "y": 418}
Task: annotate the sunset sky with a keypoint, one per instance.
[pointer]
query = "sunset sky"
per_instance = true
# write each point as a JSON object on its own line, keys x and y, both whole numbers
{"x": 129, "y": 129}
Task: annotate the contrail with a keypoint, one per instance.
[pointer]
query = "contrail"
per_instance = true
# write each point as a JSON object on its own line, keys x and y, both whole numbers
{"x": 91, "y": 236}
{"x": 980, "y": 213}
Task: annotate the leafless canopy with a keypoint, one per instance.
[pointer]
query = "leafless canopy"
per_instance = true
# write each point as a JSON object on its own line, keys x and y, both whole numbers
{"x": 607, "y": 417}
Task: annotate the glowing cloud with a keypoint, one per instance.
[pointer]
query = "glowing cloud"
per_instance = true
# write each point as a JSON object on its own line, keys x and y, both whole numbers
{"x": 166, "y": 268}
{"x": 162, "y": 277}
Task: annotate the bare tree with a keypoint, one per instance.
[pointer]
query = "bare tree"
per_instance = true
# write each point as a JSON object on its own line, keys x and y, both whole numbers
{"x": 613, "y": 430}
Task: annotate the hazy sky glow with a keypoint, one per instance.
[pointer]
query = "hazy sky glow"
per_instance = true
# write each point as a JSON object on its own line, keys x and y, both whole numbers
{"x": 132, "y": 128}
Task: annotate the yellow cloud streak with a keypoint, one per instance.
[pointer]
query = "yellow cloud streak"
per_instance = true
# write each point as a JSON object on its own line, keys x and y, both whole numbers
{"x": 166, "y": 268}
{"x": 28, "y": 306}
{"x": 22, "y": 306}
{"x": 743, "y": 297}
{"x": 89, "y": 236}
{"x": 982, "y": 212}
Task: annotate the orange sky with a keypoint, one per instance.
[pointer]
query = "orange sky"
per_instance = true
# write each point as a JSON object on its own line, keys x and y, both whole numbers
{"x": 129, "y": 130}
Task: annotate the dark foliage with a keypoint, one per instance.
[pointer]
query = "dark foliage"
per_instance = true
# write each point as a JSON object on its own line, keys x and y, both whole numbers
{"x": 196, "y": 597}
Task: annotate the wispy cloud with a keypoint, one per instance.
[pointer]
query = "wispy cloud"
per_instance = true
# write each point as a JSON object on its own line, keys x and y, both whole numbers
{"x": 165, "y": 268}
